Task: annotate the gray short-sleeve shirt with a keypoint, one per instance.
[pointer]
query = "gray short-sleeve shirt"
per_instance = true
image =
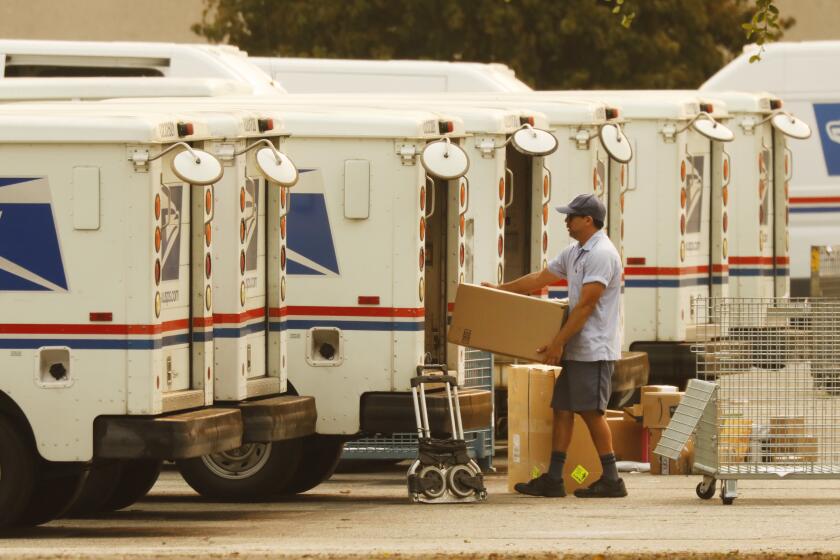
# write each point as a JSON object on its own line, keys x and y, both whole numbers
{"x": 596, "y": 261}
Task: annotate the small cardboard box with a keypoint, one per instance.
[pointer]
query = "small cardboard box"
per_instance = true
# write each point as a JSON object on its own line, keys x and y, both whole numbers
{"x": 627, "y": 438}
{"x": 663, "y": 465}
{"x": 531, "y": 429}
{"x": 503, "y": 322}
{"x": 657, "y": 408}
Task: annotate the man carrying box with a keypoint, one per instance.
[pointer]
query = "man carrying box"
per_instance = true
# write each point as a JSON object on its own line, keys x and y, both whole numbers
{"x": 586, "y": 346}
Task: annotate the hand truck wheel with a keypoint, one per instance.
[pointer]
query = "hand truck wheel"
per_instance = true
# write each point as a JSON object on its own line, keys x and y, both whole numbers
{"x": 433, "y": 481}
{"x": 455, "y": 479}
{"x": 705, "y": 493}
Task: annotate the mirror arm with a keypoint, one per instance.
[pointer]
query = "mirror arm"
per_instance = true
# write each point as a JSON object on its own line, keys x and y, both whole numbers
{"x": 260, "y": 142}
{"x": 177, "y": 145}
{"x": 697, "y": 117}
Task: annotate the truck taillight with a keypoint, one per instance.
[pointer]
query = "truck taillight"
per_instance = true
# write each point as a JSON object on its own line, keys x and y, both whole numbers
{"x": 208, "y": 265}
{"x": 157, "y": 239}
{"x": 157, "y": 272}
{"x": 611, "y": 113}
{"x": 282, "y": 228}
{"x": 185, "y": 129}
{"x": 422, "y": 229}
{"x": 775, "y": 104}
{"x": 422, "y": 260}
{"x": 208, "y": 233}
{"x": 707, "y": 108}
{"x": 208, "y": 201}
{"x": 282, "y": 258}
{"x": 445, "y": 127}
{"x": 157, "y": 206}
{"x": 265, "y": 124}
{"x": 526, "y": 120}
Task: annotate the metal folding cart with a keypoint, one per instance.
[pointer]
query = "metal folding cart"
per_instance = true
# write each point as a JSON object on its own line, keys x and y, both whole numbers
{"x": 766, "y": 403}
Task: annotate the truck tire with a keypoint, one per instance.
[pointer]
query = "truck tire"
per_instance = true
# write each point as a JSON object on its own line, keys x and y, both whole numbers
{"x": 253, "y": 472}
{"x": 319, "y": 460}
{"x": 101, "y": 482}
{"x": 136, "y": 479}
{"x": 17, "y": 473}
{"x": 56, "y": 489}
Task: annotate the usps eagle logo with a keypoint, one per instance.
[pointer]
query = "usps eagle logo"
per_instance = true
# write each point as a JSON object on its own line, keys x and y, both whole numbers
{"x": 30, "y": 253}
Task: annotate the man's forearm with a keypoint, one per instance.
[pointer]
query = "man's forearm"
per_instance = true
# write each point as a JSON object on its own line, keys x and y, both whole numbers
{"x": 527, "y": 284}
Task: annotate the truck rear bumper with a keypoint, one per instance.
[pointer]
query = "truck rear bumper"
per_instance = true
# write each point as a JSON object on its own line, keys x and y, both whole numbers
{"x": 277, "y": 418}
{"x": 183, "y": 435}
{"x": 387, "y": 413}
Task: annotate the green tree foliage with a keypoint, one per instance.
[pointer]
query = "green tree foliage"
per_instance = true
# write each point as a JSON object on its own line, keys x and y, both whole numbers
{"x": 551, "y": 44}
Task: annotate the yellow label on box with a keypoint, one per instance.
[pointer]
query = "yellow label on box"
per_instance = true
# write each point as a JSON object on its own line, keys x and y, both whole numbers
{"x": 580, "y": 474}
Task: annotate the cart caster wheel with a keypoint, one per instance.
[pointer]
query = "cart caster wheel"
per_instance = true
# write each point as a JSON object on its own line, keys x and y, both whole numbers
{"x": 706, "y": 494}
{"x": 414, "y": 497}
{"x": 482, "y": 496}
{"x": 727, "y": 501}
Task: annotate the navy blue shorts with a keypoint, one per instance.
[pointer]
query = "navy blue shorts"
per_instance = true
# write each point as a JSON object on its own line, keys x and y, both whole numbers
{"x": 583, "y": 386}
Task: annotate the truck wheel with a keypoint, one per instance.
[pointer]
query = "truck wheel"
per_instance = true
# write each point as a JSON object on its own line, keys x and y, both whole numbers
{"x": 320, "y": 457}
{"x": 17, "y": 468}
{"x": 56, "y": 490}
{"x": 253, "y": 472}
{"x": 136, "y": 479}
{"x": 101, "y": 482}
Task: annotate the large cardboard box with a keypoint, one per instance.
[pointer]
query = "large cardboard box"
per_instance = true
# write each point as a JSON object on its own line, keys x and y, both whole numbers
{"x": 663, "y": 465}
{"x": 658, "y": 408}
{"x": 531, "y": 428}
{"x": 504, "y": 323}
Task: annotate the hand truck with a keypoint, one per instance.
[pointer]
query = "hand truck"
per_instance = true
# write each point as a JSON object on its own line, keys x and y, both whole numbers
{"x": 443, "y": 471}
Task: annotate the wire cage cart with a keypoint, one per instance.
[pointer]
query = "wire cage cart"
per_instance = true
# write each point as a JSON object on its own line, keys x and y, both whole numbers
{"x": 478, "y": 373}
{"x": 766, "y": 403}
{"x": 825, "y": 270}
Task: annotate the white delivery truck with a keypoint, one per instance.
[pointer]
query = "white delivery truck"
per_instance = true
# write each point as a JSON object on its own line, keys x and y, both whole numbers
{"x": 249, "y": 283}
{"x": 316, "y": 75}
{"x": 759, "y": 261}
{"x": 504, "y": 231}
{"x": 106, "y": 291}
{"x": 796, "y": 74}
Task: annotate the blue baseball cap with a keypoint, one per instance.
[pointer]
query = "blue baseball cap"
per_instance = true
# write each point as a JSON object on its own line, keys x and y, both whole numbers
{"x": 585, "y": 205}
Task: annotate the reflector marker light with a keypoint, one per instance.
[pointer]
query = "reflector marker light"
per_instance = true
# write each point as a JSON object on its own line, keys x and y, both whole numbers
{"x": 636, "y": 261}
{"x": 185, "y": 129}
{"x": 157, "y": 206}
{"x": 422, "y": 259}
{"x": 101, "y": 316}
{"x": 368, "y": 300}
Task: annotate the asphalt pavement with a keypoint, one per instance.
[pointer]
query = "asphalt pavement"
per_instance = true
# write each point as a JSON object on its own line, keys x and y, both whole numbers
{"x": 367, "y": 514}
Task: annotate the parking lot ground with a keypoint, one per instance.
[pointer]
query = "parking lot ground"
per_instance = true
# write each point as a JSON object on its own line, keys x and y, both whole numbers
{"x": 367, "y": 514}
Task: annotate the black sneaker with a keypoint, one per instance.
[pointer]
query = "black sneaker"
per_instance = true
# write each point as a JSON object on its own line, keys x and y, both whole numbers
{"x": 603, "y": 488}
{"x": 542, "y": 486}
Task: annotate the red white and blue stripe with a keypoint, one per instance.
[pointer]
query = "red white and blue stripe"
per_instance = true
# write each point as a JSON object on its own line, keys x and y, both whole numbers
{"x": 814, "y": 204}
{"x": 22, "y": 336}
{"x": 758, "y": 266}
{"x": 302, "y": 317}
{"x": 675, "y": 276}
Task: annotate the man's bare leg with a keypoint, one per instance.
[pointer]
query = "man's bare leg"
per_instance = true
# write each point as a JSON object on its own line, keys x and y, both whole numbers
{"x": 564, "y": 422}
{"x": 599, "y": 430}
